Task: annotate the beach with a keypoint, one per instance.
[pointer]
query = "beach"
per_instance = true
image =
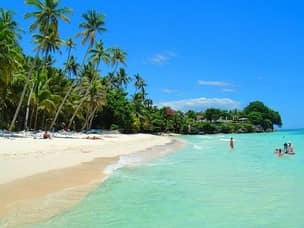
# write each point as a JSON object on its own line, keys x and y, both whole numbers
{"x": 41, "y": 177}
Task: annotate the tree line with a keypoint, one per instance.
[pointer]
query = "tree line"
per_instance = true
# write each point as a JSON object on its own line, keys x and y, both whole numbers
{"x": 91, "y": 92}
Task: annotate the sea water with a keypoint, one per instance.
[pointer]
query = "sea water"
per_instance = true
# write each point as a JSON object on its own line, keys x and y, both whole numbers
{"x": 205, "y": 184}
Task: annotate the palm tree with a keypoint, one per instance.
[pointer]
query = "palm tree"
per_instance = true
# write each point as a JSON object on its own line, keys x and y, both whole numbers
{"x": 118, "y": 56}
{"x": 69, "y": 43}
{"x": 89, "y": 74}
{"x": 11, "y": 58}
{"x": 95, "y": 100}
{"x": 47, "y": 24}
{"x": 47, "y": 15}
{"x": 122, "y": 78}
{"x": 140, "y": 84}
{"x": 94, "y": 23}
{"x": 44, "y": 100}
{"x": 72, "y": 67}
{"x": 47, "y": 43}
{"x": 98, "y": 54}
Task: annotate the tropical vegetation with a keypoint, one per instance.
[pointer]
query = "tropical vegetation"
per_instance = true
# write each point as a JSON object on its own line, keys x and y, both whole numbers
{"x": 92, "y": 92}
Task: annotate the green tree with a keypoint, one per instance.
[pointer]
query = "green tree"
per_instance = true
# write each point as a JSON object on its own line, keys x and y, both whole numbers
{"x": 93, "y": 24}
{"x": 212, "y": 114}
{"x": 46, "y": 22}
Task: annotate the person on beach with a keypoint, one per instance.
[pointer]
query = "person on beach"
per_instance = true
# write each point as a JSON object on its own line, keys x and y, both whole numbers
{"x": 46, "y": 135}
{"x": 231, "y": 144}
{"x": 93, "y": 137}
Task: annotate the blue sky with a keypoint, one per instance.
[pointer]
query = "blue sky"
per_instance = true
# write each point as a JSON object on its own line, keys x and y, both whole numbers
{"x": 197, "y": 54}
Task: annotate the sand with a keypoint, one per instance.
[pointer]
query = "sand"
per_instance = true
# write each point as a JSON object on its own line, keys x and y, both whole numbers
{"x": 41, "y": 178}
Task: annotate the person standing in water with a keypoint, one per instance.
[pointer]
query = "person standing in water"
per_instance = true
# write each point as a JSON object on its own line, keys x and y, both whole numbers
{"x": 285, "y": 148}
{"x": 231, "y": 144}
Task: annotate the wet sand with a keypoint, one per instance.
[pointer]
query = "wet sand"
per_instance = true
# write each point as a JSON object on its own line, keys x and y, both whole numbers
{"x": 38, "y": 197}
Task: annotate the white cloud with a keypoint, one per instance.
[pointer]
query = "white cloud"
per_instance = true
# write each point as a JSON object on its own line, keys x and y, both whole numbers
{"x": 202, "y": 104}
{"x": 162, "y": 58}
{"x": 214, "y": 83}
{"x": 168, "y": 91}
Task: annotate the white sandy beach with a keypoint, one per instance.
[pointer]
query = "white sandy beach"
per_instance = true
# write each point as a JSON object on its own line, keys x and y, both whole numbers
{"x": 22, "y": 157}
{"x": 32, "y": 169}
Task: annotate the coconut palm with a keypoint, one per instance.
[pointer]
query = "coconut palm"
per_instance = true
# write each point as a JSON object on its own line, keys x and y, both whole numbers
{"x": 122, "y": 78}
{"x": 69, "y": 43}
{"x": 140, "y": 84}
{"x": 118, "y": 56}
{"x": 99, "y": 54}
{"x": 89, "y": 74}
{"x": 47, "y": 43}
{"x": 72, "y": 67}
{"x": 94, "y": 23}
{"x": 95, "y": 100}
{"x": 46, "y": 22}
{"x": 47, "y": 15}
{"x": 11, "y": 58}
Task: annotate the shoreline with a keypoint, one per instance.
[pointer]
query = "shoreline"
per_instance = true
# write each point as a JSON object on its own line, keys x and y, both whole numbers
{"x": 38, "y": 197}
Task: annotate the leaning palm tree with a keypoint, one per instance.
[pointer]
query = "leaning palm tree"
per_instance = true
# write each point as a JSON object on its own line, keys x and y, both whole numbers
{"x": 46, "y": 22}
{"x": 99, "y": 54}
{"x": 118, "y": 56}
{"x": 47, "y": 43}
{"x": 94, "y": 23}
{"x": 89, "y": 74}
{"x": 72, "y": 67}
{"x": 95, "y": 100}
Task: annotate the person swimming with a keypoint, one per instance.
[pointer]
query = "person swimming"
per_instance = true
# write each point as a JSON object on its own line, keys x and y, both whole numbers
{"x": 280, "y": 152}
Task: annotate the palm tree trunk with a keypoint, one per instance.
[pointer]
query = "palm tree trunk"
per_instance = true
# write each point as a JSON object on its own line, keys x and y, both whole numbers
{"x": 12, "y": 125}
{"x": 86, "y": 121}
{"x": 31, "y": 118}
{"x": 36, "y": 119}
{"x": 28, "y": 108}
{"x": 92, "y": 118}
{"x": 80, "y": 104}
{"x": 85, "y": 56}
{"x": 61, "y": 106}
{"x": 77, "y": 109}
{"x": 43, "y": 121}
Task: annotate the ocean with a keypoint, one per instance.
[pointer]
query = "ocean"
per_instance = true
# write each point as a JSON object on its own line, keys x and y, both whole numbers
{"x": 204, "y": 184}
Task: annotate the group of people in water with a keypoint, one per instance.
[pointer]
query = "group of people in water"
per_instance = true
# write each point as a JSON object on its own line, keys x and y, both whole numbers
{"x": 287, "y": 149}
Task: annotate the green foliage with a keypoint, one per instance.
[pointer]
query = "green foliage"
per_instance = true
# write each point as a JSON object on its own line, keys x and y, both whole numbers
{"x": 212, "y": 114}
{"x": 259, "y": 113}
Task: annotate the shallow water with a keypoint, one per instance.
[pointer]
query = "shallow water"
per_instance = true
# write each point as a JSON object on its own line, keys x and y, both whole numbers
{"x": 203, "y": 185}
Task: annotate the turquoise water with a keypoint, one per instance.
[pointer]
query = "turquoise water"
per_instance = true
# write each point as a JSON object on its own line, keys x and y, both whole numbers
{"x": 203, "y": 185}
